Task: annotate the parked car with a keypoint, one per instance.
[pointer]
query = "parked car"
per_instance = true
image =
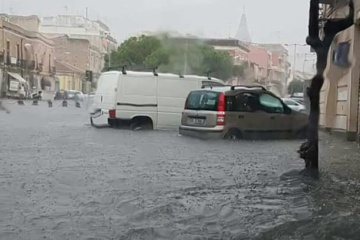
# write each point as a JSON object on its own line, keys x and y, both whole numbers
{"x": 144, "y": 100}
{"x": 60, "y": 95}
{"x": 294, "y": 105}
{"x": 240, "y": 112}
{"x": 69, "y": 95}
{"x": 75, "y": 95}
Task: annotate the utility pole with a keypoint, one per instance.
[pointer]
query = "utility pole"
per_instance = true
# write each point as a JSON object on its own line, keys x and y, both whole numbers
{"x": 295, "y": 45}
{"x": 186, "y": 57}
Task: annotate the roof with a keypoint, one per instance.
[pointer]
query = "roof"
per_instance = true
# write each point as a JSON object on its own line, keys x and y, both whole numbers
{"x": 21, "y": 31}
{"x": 66, "y": 68}
{"x": 165, "y": 75}
{"x": 213, "y": 41}
{"x": 243, "y": 33}
{"x": 229, "y": 92}
{"x": 275, "y": 47}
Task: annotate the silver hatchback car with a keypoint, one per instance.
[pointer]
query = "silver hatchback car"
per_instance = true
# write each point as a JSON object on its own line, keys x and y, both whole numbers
{"x": 236, "y": 112}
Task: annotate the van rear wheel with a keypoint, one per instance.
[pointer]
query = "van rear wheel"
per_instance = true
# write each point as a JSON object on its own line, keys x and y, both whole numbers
{"x": 141, "y": 123}
{"x": 233, "y": 134}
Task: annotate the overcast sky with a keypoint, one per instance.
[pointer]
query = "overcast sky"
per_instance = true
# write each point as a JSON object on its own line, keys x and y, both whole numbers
{"x": 272, "y": 21}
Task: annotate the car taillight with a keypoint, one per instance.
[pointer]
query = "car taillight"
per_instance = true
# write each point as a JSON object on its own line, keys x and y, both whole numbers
{"x": 221, "y": 110}
{"x": 112, "y": 113}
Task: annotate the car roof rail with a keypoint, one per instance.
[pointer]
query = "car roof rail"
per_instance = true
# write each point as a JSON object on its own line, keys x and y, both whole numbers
{"x": 207, "y": 86}
{"x": 248, "y": 86}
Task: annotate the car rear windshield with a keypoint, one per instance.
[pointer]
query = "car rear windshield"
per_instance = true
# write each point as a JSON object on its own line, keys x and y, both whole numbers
{"x": 202, "y": 100}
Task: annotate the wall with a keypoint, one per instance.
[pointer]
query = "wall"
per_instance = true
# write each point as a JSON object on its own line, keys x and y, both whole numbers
{"x": 70, "y": 81}
{"x": 33, "y": 46}
{"x": 340, "y": 94}
{"x": 29, "y": 23}
{"x": 239, "y": 55}
{"x": 75, "y": 52}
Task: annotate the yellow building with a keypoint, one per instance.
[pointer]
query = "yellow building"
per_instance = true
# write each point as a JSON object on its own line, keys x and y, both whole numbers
{"x": 339, "y": 103}
{"x": 69, "y": 77}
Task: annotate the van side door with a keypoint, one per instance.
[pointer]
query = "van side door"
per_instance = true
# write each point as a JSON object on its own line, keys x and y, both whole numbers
{"x": 137, "y": 97}
{"x": 171, "y": 97}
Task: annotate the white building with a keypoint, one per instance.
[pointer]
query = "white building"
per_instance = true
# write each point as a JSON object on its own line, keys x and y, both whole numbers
{"x": 79, "y": 27}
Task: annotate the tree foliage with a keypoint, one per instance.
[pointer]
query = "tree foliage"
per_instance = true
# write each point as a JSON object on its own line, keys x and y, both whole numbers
{"x": 296, "y": 86}
{"x": 172, "y": 56}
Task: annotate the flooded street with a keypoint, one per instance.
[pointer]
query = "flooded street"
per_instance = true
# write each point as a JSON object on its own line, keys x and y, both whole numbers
{"x": 60, "y": 178}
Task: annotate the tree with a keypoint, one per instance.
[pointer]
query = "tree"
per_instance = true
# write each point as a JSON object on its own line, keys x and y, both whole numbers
{"x": 239, "y": 70}
{"x": 296, "y": 86}
{"x": 171, "y": 56}
{"x": 134, "y": 51}
{"x": 309, "y": 151}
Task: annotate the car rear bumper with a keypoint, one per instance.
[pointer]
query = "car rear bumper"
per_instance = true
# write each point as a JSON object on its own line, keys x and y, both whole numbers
{"x": 202, "y": 133}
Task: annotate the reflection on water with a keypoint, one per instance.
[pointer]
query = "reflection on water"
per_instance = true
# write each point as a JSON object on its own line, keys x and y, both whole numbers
{"x": 335, "y": 211}
{"x": 86, "y": 183}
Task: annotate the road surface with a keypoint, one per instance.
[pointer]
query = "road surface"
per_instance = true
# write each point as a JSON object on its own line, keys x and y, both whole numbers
{"x": 60, "y": 178}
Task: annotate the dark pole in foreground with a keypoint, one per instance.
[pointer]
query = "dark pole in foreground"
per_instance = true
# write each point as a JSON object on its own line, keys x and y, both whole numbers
{"x": 309, "y": 151}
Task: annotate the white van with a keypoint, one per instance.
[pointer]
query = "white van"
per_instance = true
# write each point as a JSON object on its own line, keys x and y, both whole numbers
{"x": 144, "y": 99}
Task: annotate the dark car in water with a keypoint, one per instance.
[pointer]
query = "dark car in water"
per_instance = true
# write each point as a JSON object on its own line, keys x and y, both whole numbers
{"x": 69, "y": 95}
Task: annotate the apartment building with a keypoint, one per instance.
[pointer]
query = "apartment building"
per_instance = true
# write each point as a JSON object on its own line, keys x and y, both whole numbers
{"x": 27, "y": 53}
{"x": 339, "y": 104}
{"x": 79, "y": 27}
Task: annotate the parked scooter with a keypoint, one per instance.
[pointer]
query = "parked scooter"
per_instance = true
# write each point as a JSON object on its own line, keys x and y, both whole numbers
{"x": 37, "y": 96}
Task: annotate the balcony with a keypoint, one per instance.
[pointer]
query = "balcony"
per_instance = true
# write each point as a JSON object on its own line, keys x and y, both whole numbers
{"x": 25, "y": 64}
{"x": 30, "y": 65}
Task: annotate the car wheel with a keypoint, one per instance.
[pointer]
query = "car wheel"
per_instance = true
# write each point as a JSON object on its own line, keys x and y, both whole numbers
{"x": 233, "y": 134}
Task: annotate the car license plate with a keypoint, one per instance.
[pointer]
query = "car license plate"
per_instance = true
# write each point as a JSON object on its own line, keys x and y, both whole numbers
{"x": 197, "y": 121}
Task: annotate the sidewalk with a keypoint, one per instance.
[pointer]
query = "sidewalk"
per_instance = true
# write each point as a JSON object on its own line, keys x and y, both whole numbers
{"x": 339, "y": 157}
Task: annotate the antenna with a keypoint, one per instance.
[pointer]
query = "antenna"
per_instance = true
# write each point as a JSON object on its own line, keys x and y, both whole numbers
{"x": 86, "y": 13}
{"x": 66, "y": 10}
{"x": 123, "y": 70}
{"x": 154, "y": 71}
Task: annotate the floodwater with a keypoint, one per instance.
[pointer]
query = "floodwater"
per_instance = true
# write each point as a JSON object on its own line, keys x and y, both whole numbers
{"x": 60, "y": 178}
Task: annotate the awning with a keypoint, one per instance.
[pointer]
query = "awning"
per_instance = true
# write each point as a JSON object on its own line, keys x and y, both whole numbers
{"x": 17, "y": 77}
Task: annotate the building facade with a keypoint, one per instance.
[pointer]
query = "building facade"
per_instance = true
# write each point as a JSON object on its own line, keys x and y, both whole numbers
{"x": 27, "y": 53}
{"x": 70, "y": 77}
{"x": 73, "y": 58}
{"x": 339, "y": 103}
{"x": 280, "y": 66}
{"x": 78, "y": 27}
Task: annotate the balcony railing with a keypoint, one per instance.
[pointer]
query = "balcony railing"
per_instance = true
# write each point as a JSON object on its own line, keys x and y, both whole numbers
{"x": 25, "y": 64}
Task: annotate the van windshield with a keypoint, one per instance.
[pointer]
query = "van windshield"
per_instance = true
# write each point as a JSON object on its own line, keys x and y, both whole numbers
{"x": 202, "y": 100}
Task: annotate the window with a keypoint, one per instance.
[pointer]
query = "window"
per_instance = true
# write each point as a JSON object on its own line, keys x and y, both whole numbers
{"x": 341, "y": 53}
{"x": 212, "y": 84}
{"x": 244, "y": 102}
{"x": 50, "y": 63}
{"x": 202, "y": 100}
{"x": 290, "y": 103}
{"x": 8, "y": 48}
{"x": 18, "y": 51}
{"x": 271, "y": 104}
